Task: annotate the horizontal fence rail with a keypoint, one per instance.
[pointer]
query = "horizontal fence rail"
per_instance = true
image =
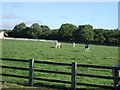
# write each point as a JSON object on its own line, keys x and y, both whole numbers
{"x": 94, "y": 66}
{"x": 43, "y": 62}
{"x": 95, "y": 76}
{"x": 47, "y": 71}
{"x": 73, "y": 73}
{"x": 19, "y": 60}
{"x": 19, "y": 68}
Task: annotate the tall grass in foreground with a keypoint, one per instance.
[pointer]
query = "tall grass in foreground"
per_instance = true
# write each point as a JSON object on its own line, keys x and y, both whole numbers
{"x": 45, "y": 51}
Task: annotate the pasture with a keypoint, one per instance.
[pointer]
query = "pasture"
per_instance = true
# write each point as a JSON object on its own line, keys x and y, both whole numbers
{"x": 46, "y": 51}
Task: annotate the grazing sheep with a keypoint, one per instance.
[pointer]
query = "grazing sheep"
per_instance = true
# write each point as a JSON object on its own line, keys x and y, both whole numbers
{"x": 87, "y": 49}
{"x": 58, "y": 45}
{"x": 73, "y": 44}
{"x": 116, "y": 75}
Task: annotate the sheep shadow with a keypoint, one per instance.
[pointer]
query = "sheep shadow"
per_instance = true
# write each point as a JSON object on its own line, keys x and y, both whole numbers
{"x": 75, "y": 50}
{"x": 52, "y": 47}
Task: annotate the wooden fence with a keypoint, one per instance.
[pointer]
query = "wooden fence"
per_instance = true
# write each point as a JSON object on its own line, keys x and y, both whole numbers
{"x": 73, "y": 73}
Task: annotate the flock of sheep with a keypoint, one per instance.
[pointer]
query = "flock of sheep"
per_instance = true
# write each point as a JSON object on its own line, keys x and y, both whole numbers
{"x": 59, "y": 45}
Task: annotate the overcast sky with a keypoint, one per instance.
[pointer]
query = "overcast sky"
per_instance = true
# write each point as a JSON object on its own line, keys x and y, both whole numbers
{"x": 54, "y": 14}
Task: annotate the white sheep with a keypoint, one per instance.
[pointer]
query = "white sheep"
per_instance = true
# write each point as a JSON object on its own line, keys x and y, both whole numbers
{"x": 73, "y": 44}
{"x": 58, "y": 45}
{"x": 87, "y": 49}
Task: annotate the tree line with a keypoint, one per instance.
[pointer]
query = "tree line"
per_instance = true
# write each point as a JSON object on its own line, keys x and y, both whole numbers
{"x": 66, "y": 32}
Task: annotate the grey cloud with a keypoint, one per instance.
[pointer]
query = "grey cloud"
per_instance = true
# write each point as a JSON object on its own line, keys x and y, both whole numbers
{"x": 6, "y": 25}
{"x": 11, "y": 25}
{"x": 10, "y": 16}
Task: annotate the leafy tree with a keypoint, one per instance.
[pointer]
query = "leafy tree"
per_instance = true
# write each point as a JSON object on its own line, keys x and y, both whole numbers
{"x": 34, "y": 31}
{"x": 114, "y": 41}
{"x": 16, "y": 32}
{"x": 84, "y": 33}
{"x": 45, "y": 32}
{"x": 98, "y": 36}
{"x": 25, "y": 32}
{"x": 45, "y": 28}
{"x": 54, "y": 34}
{"x": 20, "y": 27}
{"x": 66, "y": 31}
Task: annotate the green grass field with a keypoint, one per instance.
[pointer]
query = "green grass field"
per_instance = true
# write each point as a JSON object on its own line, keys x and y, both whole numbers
{"x": 45, "y": 51}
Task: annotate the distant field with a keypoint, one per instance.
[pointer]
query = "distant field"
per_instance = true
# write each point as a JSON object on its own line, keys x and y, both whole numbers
{"x": 45, "y": 51}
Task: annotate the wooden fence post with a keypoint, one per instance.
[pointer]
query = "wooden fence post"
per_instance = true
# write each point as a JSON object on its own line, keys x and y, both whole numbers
{"x": 116, "y": 79}
{"x": 73, "y": 76}
{"x": 31, "y": 71}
